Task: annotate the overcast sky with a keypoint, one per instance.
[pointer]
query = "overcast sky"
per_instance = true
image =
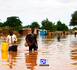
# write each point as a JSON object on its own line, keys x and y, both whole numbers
{"x": 38, "y": 10}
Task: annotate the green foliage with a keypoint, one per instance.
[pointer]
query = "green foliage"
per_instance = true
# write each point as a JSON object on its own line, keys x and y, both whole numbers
{"x": 3, "y": 28}
{"x": 46, "y": 24}
{"x": 73, "y": 21}
{"x": 70, "y": 31}
{"x": 17, "y": 28}
{"x": 12, "y": 21}
{"x": 0, "y": 31}
{"x": 16, "y": 24}
{"x": 1, "y": 24}
{"x": 61, "y": 26}
{"x": 35, "y": 25}
{"x": 59, "y": 23}
{"x": 27, "y": 26}
{"x": 75, "y": 28}
{"x": 54, "y": 28}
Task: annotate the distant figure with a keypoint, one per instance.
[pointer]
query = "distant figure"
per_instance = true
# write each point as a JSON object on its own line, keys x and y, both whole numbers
{"x": 64, "y": 32}
{"x": 31, "y": 39}
{"x": 67, "y": 33}
{"x": 61, "y": 33}
{"x": 75, "y": 34}
{"x": 11, "y": 39}
{"x": 58, "y": 37}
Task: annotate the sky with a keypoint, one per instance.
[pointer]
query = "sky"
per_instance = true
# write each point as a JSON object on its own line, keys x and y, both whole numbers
{"x": 38, "y": 10}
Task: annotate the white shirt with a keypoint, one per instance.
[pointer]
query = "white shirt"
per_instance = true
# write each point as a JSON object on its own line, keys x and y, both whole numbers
{"x": 14, "y": 38}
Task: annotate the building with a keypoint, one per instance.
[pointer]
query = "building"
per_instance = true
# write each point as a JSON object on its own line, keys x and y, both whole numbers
{"x": 25, "y": 31}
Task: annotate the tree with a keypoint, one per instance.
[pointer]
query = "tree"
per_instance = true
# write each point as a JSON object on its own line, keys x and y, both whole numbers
{"x": 61, "y": 26}
{"x": 17, "y": 28}
{"x": 64, "y": 27}
{"x": 48, "y": 25}
{"x": 13, "y": 21}
{"x": 1, "y": 24}
{"x": 75, "y": 28}
{"x": 44, "y": 22}
{"x": 54, "y": 28}
{"x": 27, "y": 26}
{"x": 35, "y": 25}
{"x": 73, "y": 21}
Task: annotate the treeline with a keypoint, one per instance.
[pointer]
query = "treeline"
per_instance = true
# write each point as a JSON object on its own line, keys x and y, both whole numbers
{"x": 48, "y": 25}
{"x": 16, "y": 24}
{"x": 59, "y": 26}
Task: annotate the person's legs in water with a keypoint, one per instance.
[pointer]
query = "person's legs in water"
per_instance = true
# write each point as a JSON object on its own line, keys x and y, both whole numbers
{"x": 33, "y": 47}
{"x": 30, "y": 48}
{"x": 75, "y": 35}
{"x": 58, "y": 39}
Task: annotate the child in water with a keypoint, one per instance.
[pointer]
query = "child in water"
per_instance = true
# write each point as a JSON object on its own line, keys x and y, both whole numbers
{"x": 58, "y": 37}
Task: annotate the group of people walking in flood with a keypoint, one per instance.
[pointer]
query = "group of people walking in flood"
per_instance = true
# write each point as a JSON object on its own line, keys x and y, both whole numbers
{"x": 31, "y": 40}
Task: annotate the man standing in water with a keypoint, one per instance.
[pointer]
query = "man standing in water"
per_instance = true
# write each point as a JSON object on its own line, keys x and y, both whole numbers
{"x": 75, "y": 33}
{"x": 31, "y": 39}
{"x": 11, "y": 39}
{"x": 58, "y": 37}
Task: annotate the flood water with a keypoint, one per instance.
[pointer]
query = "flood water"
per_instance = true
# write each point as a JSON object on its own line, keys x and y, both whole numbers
{"x": 61, "y": 55}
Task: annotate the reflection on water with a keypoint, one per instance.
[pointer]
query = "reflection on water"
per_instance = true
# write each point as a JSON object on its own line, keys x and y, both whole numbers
{"x": 4, "y": 55}
{"x": 4, "y": 58}
{"x": 12, "y": 59}
{"x": 61, "y": 55}
{"x": 74, "y": 52}
{"x": 31, "y": 59}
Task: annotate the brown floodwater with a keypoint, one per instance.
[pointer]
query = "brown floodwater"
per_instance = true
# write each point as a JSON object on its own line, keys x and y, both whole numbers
{"x": 61, "y": 55}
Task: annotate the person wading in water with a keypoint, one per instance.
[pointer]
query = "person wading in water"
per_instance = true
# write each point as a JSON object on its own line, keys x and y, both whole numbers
{"x": 75, "y": 34}
{"x": 31, "y": 39}
{"x": 11, "y": 39}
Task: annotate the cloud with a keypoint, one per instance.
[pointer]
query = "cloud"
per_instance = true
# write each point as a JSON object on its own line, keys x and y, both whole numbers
{"x": 13, "y": 5}
{"x": 37, "y": 10}
{"x": 67, "y": 1}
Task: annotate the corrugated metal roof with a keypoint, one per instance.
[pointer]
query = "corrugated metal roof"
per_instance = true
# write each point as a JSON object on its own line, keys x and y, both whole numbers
{"x": 26, "y": 29}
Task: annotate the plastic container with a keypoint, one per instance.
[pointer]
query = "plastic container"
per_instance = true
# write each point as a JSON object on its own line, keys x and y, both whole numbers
{"x": 4, "y": 46}
{"x": 4, "y": 55}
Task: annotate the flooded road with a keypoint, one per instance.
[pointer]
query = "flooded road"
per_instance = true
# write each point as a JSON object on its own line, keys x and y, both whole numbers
{"x": 61, "y": 55}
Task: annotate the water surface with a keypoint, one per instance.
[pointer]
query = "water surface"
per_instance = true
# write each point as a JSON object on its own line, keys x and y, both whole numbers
{"x": 61, "y": 55}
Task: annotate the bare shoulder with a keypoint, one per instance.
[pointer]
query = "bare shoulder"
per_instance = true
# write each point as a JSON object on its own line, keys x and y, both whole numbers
{"x": 14, "y": 35}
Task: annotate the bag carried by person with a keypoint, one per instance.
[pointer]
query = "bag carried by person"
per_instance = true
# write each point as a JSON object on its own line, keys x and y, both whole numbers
{"x": 14, "y": 46}
{"x": 26, "y": 44}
